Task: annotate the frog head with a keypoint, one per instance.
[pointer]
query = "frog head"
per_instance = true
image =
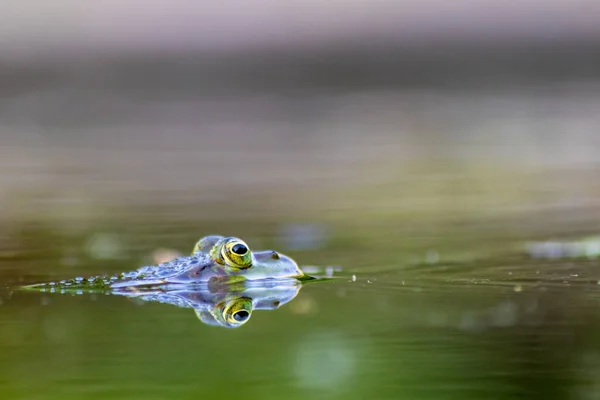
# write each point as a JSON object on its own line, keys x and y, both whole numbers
{"x": 235, "y": 257}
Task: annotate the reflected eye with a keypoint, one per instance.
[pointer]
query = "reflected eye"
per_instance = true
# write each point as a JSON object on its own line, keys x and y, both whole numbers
{"x": 237, "y": 311}
{"x": 236, "y": 254}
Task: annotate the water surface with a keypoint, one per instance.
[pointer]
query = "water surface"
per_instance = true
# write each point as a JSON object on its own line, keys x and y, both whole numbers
{"x": 490, "y": 328}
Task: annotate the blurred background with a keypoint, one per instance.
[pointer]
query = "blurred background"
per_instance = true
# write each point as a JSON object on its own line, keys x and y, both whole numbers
{"x": 343, "y": 112}
{"x": 336, "y": 111}
{"x": 369, "y": 135}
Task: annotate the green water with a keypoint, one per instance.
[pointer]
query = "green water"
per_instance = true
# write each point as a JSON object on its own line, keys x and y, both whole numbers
{"x": 492, "y": 327}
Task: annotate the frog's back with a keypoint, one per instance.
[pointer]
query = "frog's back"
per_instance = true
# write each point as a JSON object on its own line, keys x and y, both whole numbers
{"x": 169, "y": 268}
{"x": 141, "y": 276}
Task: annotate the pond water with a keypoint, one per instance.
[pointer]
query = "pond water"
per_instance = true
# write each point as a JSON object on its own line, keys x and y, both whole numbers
{"x": 504, "y": 327}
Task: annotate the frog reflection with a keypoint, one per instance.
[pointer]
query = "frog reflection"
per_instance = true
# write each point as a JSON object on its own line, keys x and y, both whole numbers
{"x": 226, "y": 306}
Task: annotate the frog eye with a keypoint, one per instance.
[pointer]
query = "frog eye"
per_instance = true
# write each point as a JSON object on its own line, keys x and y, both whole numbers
{"x": 236, "y": 254}
{"x": 239, "y": 249}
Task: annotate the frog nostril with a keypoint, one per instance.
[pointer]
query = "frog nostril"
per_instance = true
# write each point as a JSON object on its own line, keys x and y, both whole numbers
{"x": 275, "y": 255}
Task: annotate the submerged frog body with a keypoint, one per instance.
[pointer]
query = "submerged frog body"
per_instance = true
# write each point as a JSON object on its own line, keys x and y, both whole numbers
{"x": 215, "y": 259}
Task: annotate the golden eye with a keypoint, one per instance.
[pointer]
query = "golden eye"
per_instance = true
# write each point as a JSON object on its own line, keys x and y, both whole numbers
{"x": 236, "y": 254}
{"x": 238, "y": 311}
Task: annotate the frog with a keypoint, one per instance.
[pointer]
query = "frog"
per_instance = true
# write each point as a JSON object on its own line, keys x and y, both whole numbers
{"x": 215, "y": 260}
